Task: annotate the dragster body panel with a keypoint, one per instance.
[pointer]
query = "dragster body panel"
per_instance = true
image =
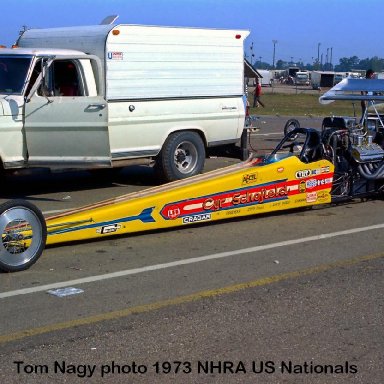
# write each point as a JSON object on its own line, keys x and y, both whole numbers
{"x": 243, "y": 189}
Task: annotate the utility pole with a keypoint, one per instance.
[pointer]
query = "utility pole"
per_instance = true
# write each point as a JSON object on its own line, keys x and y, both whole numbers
{"x": 274, "y": 53}
{"x": 252, "y": 54}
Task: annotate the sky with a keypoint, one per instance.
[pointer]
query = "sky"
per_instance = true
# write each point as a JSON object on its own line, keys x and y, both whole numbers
{"x": 302, "y": 28}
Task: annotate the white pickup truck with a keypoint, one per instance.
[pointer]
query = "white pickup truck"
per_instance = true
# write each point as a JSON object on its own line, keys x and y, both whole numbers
{"x": 113, "y": 95}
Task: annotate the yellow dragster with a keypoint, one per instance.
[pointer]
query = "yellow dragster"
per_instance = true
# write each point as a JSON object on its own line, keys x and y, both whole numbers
{"x": 307, "y": 168}
{"x": 283, "y": 180}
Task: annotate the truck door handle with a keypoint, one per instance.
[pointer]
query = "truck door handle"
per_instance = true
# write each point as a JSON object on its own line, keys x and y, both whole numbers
{"x": 97, "y": 106}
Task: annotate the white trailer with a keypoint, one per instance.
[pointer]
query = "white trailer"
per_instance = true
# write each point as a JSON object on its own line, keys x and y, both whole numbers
{"x": 266, "y": 77}
{"x": 322, "y": 79}
{"x": 110, "y": 95}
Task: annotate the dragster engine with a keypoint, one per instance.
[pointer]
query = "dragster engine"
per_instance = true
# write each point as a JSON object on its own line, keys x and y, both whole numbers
{"x": 357, "y": 151}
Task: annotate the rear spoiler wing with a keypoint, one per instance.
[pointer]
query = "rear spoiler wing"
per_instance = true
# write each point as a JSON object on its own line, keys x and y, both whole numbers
{"x": 355, "y": 89}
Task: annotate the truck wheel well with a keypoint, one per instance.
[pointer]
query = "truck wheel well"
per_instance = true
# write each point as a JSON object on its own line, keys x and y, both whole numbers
{"x": 196, "y": 130}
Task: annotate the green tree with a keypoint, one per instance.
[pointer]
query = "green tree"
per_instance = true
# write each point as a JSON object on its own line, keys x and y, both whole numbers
{"x": 374, "y": 63}
{"x": 347, "y": 64}
{"x": 280, "y": 64}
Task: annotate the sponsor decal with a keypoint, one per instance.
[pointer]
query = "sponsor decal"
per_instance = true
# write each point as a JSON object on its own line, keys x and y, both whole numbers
{"x": 322, "y": 195}
{"x": 173, "y": 213}
{"x": 303, "y": 173}
{"x": 302, "y": 186}
{"x": 233, "y": 212}
{"x": 324, "y": 181}
{"x": 108, "y": 228}
{"x": 196, "y": 218}
{"x": 311, "y": 197}
{"x": 246, "y": 198}
{"x": 311, "y": 183}
{"x": 115, "y": 56}
{"x": 249, "y": 178}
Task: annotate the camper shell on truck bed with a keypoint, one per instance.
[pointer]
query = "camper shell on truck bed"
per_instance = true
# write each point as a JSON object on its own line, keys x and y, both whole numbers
{"x": 144, "y": 94}
{"x": 142, "y": 62}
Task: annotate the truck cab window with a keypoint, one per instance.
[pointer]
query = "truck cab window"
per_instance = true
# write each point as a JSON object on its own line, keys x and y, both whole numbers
{"x": 13, "y": 74}
{"x": 66, "y": 79}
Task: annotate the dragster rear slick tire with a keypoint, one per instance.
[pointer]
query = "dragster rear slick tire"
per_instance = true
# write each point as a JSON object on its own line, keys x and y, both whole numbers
{"x": 23, "y": 235}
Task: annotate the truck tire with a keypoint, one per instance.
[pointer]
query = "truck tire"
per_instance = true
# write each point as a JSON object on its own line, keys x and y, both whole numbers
{"x": 290, "y": 125}
{"x": 182, "y": 156}
{"x": 23, "y": 235}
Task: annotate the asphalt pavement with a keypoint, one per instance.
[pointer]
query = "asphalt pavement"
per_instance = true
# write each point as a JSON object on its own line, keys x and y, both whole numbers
{"x": 321, "y": 326}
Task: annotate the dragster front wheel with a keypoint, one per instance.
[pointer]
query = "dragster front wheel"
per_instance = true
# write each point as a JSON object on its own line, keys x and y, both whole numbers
{"x": 23, "y": 235}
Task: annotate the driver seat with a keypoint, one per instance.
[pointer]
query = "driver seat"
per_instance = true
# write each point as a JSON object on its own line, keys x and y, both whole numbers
{"x": 313, "y": 149}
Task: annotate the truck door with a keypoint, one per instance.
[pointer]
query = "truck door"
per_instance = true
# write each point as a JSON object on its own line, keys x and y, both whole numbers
{"x": 66, "y": 119}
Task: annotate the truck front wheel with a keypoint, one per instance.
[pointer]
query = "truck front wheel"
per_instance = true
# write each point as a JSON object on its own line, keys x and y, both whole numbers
{"x": 182, "y": 156}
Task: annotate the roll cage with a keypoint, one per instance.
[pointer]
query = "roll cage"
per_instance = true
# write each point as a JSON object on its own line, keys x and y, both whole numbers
{"x": 305, "y": 143}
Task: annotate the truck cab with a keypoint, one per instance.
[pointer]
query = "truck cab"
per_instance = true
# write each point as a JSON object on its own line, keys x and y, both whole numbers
{"x": 52, "y": 113}
{"x": 302, "y": 78}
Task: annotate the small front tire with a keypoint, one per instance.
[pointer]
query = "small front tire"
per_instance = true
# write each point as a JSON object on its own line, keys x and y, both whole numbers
{"x": 23, "y": 235}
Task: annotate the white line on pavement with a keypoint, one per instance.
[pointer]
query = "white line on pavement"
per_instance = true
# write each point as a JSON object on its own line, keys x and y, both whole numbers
{"x": 267, "y": 134}
{"x": 193, "y": 260}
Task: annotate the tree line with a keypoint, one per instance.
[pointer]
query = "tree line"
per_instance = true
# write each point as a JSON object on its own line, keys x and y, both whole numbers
{"x": 349, "y": 63}
{"x": 346, "y": 64}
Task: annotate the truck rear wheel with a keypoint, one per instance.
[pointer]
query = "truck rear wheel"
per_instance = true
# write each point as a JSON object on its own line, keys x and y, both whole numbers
{"x": 23, "y": 235}
{"x": 182, "y": 156}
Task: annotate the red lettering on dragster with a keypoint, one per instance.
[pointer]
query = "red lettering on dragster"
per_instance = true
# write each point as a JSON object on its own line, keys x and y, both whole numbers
{"x": 246, "y": 198}
{"x": 228, "y": 199}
